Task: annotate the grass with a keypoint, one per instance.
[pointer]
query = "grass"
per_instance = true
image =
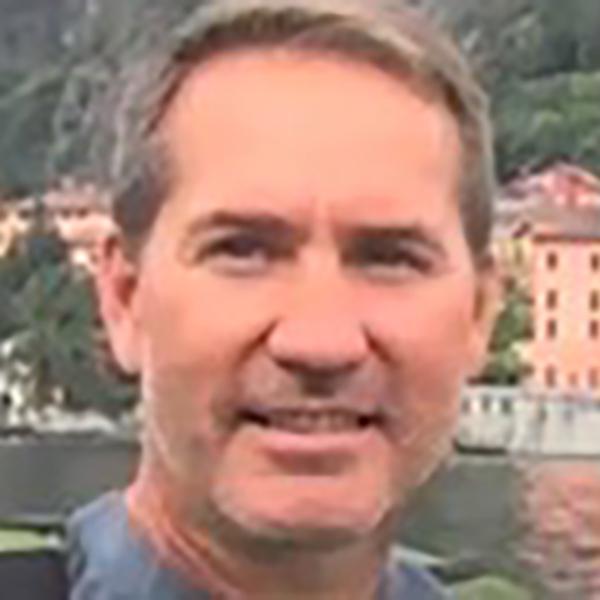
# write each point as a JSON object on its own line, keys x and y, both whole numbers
{"x": 18, "y": 539}
{"x": 490, "y": 588}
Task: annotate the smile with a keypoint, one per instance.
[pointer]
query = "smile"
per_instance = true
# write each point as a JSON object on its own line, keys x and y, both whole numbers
{"x": 301, "y": 421}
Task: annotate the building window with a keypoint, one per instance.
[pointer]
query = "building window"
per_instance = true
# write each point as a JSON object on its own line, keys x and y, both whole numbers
{"x": 573, "y": 380}
{"x": 550, "y": 377}
{"x": 594, "y": 300}
{"x": 551, "y": 329}
{"x": 552, "y": 260}
{"x": 594, "y": 329}
{"x": 506, "y": 406}
{"x": 486, "y": 403}
{"x": 595, "y": 262}
{"x": 593, "y": 378}
{"x": 551, "y": 299}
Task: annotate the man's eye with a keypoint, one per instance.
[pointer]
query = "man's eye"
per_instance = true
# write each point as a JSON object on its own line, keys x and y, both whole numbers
{"x": 240, "y": 247}
{"x": 389, "y": 257}
{"x": 239, "y": 253}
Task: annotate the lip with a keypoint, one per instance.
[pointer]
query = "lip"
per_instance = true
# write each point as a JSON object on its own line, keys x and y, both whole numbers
{"x": 258, "y": 413}
{"x": 289, "y": 446}
{"x": 258, "y": 421}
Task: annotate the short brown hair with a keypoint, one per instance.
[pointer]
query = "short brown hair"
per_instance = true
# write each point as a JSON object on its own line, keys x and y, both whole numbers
{"x": 396, "y": 40}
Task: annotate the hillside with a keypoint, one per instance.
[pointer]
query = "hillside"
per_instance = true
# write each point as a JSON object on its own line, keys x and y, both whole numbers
{"x": 542, "y": 71}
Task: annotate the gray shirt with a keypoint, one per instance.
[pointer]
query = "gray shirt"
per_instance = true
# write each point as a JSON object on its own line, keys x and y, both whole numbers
{"x": 107, "y": 561}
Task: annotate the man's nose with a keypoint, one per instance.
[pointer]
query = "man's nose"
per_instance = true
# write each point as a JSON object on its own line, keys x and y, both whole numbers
{"x": 319, "y": 335}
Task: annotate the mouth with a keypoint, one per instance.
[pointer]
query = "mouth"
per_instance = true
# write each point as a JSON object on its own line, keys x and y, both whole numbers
{"x": 304, "y": 421}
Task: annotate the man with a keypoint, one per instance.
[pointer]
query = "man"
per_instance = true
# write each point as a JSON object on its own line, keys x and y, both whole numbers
{"x": 302, "y": 283}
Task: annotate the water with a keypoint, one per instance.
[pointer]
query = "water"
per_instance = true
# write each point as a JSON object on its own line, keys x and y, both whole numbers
{"x": 51, "y": 477}
{"x": 469, "y": 511}
{"x": 561, "y": 503}
{"x": 535, "y": 522}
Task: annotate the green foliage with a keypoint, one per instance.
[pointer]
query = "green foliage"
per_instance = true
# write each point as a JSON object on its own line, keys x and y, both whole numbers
{"x": 26, "y": 115}
{"x": 513, "y": 326}
{"x": 549, "y": 118}
{"x": 48, "y": 323}
{"x": 48, "y": 102}
{"x": 542, "y": 68}
{"x": 490, "y": 588}
{"x": 18, "y": 540}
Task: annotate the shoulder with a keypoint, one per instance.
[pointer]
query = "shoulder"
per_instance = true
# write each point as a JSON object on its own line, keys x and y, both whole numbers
{"x": 98, "y": 525}
{"x": 420, "y": 583}
{"x": 108, "y": 559}
{"x": 101, "y": 511}
{"x": 99, "y": 549}
{"x": 406, "y": 579}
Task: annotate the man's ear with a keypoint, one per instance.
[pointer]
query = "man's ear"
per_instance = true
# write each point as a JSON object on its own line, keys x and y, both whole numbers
{"x": 488, "y": 299}
{"x": 116, "y": 283}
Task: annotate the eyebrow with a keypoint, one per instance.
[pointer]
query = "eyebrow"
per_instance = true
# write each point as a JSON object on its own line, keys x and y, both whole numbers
{"x": 278, "y": 227}
{"x": 258, "y": 222}
{"x": 414, "y": 234}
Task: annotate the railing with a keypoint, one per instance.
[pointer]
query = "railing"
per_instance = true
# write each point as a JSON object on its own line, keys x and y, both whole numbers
{"x": 556, "y": 422}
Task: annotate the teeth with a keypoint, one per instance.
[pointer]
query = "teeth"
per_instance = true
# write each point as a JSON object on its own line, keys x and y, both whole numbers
{"x": 316, "y": 422}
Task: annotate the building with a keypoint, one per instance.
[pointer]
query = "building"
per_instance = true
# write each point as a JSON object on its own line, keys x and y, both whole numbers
{"x": 78, "y": 213}
{"x": 535, "y": 200}
{"x": 565, "y": 286}
{"x": 562, "y": 184}
{"x": 548, "y": 238}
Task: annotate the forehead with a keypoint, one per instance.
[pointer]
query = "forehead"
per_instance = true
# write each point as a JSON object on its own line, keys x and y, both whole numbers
{"x": 274, "y": 126}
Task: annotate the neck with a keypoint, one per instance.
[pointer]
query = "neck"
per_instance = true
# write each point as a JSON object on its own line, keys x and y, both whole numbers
{"x": 234, "y": 568}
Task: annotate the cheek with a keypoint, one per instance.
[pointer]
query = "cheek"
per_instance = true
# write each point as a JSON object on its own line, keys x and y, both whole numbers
{"x": 180, "y": 378}
{"x": 425, "y": 340}
{"x": 426, "y": 331}
{"x": 189, "y": 363}
{"x": 198, "y": 321}
{"x": 177, "y": 415}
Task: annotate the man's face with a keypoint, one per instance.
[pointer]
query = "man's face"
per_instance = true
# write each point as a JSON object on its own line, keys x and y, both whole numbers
{"x": 305, "y": 310}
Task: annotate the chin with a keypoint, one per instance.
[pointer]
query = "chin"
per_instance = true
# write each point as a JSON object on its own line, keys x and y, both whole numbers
{"x": 307, "y": 521}
{"x": 309, "y": 537}
{"x": 299, "y": 535}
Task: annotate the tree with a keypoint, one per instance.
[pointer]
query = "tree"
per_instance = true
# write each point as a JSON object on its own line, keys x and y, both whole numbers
{"x": 513, "y": 327}
{"x": 50, "y": 330}
{"x": 542, "y": 69}
{"x": 551, "y": 118}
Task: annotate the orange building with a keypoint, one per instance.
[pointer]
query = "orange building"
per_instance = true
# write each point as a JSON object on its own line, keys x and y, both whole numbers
{"x": 78, "y": 213}
{"x": 562, "y": 184}
{"x": 537, "y": 199}
{"x": 548, "y": 239}
{"x": 565, "y": 280}
{"x": 80, "y": 216}
{"x": 552, "y": 224}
